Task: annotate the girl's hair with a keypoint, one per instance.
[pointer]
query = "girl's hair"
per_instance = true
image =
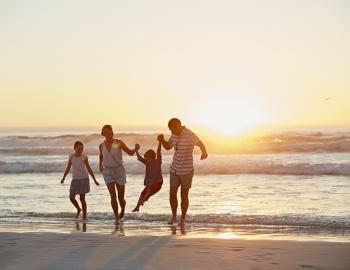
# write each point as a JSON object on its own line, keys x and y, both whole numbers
{"x": 77, "y": 143}
{"x": 150, "y": 154}
{"x": 105, "y": 128}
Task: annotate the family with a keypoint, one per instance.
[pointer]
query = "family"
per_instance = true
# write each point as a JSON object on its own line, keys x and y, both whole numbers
{"x": 111, "y": 166}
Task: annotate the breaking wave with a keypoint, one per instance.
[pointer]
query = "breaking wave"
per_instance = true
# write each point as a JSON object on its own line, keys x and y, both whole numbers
{"x": 216, "y": 167}
{"x": 271, "y": 143}
{"x": 224, "y": 219}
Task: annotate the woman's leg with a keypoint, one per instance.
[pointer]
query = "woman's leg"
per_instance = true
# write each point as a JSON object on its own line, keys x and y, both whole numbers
{"x": 83, "y": 204}
{"x": 75, "y": 203}
{"x": 113, "y": 195}
{"x": 122, "y": 202}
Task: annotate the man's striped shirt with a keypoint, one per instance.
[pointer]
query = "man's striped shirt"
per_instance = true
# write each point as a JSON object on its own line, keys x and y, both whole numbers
{"x": 183, "y": 156}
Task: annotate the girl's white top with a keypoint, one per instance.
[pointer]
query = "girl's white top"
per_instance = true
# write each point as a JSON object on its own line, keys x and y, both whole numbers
{"x": 78, "y": 166}
{"x": 113, "y": 158}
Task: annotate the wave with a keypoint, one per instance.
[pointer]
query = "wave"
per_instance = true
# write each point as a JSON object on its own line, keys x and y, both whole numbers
{"x": 269, "y": 143}
{"x": 207, "y": 219}
{"x": 44, "y": 151}
{"x": 217, "y": 166}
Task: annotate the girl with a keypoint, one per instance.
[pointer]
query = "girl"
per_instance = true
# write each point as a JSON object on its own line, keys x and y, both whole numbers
{"x": 80, "y": 183}
{"x": 112, "y": 168}
{"x": 153, "y": 177}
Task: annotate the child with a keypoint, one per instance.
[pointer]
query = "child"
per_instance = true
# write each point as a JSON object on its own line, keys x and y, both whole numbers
{"x": 80, "y": 183}
{"x": 153, "y": 177}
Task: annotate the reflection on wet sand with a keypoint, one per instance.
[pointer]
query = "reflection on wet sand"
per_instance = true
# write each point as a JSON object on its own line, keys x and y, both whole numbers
{"x": 176, "y": 229}
{"x": 119, "y": 229}
{"x": 77, "y": 224}
{"x": 190, "y": 230}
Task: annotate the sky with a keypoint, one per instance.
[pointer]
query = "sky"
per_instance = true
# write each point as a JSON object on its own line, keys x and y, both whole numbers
{"x": 224, "y": 65}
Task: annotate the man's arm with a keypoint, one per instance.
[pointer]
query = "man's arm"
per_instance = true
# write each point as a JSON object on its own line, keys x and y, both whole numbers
{"x": 166, "y": 144}
{"x": 201, "y": 145}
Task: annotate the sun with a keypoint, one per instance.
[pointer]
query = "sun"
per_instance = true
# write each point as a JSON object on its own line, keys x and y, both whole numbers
{"x": 230, "y": 116}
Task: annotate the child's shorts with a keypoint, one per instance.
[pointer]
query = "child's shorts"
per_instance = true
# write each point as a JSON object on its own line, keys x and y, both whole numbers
{"x": 154, "y": 188}
{"x": 80, "y": 186}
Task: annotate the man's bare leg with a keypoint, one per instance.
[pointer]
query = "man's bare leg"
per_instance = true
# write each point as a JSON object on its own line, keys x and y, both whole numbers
{"x": 184, "y": 204}
{"x": 173, "y": 203}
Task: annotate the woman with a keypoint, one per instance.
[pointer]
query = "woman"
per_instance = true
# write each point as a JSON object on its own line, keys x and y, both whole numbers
{"x": 112, "y": 168}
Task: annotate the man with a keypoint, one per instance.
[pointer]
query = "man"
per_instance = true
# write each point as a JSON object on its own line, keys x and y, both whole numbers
{"x": 183, "y": 141}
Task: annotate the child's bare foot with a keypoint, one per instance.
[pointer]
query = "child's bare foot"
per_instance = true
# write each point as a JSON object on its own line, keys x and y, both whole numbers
{"x": 172, "y": 221}
{"x": 78, "y": 213}
{"x": 136, "y": 209}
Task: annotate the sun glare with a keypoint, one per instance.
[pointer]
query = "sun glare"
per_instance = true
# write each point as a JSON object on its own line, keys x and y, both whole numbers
{"x": 229, "y": 117}
{"x": 227, "y": 235}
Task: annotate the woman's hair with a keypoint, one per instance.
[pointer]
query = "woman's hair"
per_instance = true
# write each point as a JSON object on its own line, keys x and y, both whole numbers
{"x": 150, "y": 154}
{"x": 105, "y": 128}
{"x": 77, "y": 143}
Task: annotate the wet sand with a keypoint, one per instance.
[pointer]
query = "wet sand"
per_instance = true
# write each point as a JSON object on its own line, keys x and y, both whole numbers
{"x": 98, "y": 251}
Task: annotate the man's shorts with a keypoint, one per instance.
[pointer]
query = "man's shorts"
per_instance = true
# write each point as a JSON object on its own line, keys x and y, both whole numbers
{"x": 183, "y": 180}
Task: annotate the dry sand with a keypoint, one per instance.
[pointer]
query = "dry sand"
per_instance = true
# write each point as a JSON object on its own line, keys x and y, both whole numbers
{"x": 98, "y": 251}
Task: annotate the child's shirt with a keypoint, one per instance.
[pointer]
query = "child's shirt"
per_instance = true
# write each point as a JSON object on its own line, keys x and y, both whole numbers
{"x": 153, "y": 173}
{"x": 78, "y": 166}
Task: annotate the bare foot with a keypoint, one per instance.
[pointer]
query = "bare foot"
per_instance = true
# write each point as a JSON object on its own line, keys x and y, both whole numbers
{"x": 172, "y": 221}
{"x": 78, "y": 213}
{"x": 136, "y": 210}
{"x": 117, "y": 221}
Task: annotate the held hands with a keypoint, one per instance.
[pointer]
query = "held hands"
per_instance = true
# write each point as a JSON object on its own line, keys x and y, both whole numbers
{"x": 137, "y": 147}
{"x": 204, "y": 155}
{"x": 160, "y": 137}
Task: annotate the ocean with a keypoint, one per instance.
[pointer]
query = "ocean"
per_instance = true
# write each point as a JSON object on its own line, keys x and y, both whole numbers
{"x": 287, "y": 184}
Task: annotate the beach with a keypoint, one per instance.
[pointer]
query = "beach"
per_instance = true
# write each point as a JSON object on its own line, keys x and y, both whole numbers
{"x": 248, "y": 210}
{"x": 175, "y": 135}
{"x": 96, "y": 251}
